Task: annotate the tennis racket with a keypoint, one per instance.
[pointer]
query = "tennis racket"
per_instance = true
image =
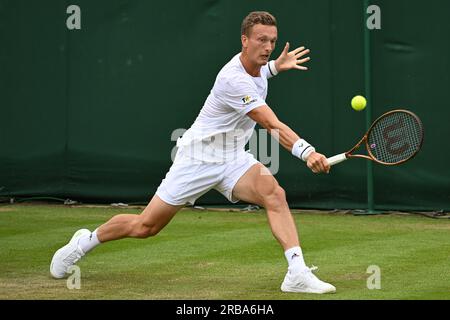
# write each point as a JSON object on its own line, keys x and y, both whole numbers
{"x": 393, "y": 138}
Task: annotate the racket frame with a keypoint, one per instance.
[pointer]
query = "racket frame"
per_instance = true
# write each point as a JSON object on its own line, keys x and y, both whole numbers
{"x": 340, "y": 157}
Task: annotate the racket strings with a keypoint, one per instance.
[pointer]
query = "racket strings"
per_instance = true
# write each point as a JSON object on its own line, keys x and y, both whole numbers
{"x": 395, "y": 138}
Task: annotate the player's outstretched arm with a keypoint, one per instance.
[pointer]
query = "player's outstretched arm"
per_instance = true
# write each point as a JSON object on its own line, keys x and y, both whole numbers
{"x": 267, "y": 119}
{"x": 292, "y": 60}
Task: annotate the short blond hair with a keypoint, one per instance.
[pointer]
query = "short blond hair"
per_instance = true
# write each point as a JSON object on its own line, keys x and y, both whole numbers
{"x": 257, "y": 17}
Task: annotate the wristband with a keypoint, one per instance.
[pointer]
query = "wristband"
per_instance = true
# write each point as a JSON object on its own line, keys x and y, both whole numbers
{"x": 302, "y": 149}
{"x": 273, "y": 71}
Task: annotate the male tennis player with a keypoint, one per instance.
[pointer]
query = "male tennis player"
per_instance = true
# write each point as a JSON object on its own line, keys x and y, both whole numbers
{"x": 211, "y": 155}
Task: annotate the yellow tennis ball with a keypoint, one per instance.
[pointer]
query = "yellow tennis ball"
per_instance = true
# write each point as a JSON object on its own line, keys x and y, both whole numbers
{"x": 359, "y": 103}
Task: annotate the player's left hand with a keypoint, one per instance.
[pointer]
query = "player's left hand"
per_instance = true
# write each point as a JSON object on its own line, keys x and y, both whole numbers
{"x": 318, "y": 163}
{"x": 292, "y": 60}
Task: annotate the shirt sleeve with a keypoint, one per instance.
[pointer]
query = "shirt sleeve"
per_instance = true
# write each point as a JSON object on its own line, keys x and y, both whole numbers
{"x": 241, "y": 94}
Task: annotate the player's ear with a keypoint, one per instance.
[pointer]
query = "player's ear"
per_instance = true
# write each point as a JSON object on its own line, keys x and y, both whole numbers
{"x": 244, "y": 40}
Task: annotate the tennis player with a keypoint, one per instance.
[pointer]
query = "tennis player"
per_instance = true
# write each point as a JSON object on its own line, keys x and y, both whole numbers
{"x": 211, "y": 155}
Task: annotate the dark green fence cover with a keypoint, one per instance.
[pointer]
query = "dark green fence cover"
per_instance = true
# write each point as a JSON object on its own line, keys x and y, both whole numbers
{"x": 92, "y": 114}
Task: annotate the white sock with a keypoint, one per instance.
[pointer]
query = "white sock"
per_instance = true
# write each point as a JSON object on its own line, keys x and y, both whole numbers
{"x": 294, "y": 256}
{"x": 89, "y": 241}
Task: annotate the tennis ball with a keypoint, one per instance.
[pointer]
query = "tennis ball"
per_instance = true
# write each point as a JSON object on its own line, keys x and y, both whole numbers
{"x": 359, "y": 103}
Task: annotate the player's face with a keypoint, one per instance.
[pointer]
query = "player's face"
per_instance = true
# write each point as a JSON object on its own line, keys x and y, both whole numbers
{"x": 260, "y": 43}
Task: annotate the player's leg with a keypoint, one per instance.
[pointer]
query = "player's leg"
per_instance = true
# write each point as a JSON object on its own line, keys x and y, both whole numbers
{"x": 185, "y": 182}
{"x": 153, "y": 219}
{"x": 258, "y": 186}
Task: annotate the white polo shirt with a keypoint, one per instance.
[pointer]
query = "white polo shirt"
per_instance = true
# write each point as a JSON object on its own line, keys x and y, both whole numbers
{"x": 222, "y": 128}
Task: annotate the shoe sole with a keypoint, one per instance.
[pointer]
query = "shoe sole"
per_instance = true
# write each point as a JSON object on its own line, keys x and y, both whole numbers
{"x": 75, "y": 235}
{"x": 295, "y": 290}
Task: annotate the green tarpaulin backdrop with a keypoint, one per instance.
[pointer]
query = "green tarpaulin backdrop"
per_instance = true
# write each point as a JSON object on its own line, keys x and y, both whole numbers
{"x": 92, "y": 114}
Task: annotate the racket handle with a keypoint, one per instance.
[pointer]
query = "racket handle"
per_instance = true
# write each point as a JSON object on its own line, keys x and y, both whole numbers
{"x": 336, "y": 159}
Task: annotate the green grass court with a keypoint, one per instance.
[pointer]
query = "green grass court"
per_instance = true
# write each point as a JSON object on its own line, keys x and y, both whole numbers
{"x": 224, "y": 255}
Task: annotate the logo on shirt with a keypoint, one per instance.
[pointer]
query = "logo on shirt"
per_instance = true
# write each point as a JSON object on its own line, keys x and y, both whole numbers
{"x": 248, "y": 100}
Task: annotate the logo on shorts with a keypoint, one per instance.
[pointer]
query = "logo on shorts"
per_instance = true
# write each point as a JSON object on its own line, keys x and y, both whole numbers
{"x": 248, "y": 100}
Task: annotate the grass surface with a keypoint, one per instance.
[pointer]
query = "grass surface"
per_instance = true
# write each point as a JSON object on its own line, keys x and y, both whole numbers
{"x": 224, "y": 255}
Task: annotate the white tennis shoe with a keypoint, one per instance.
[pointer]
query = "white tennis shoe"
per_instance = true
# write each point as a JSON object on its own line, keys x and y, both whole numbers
{"x": 67, "y": 255}
{"x": 306, "y": 282}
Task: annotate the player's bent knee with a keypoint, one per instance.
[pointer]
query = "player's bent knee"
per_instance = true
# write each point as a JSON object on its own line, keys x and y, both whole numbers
{"x": 280, "y": 195}
{"x": 144, "y": 230}
{"x": 276, "y": 199}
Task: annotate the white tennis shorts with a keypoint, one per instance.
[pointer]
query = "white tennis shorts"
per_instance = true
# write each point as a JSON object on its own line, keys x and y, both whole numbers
{"x": 188, "y": 179}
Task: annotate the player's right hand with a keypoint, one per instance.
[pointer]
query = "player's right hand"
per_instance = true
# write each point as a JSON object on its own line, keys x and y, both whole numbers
{"x": 318, "y": 163}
